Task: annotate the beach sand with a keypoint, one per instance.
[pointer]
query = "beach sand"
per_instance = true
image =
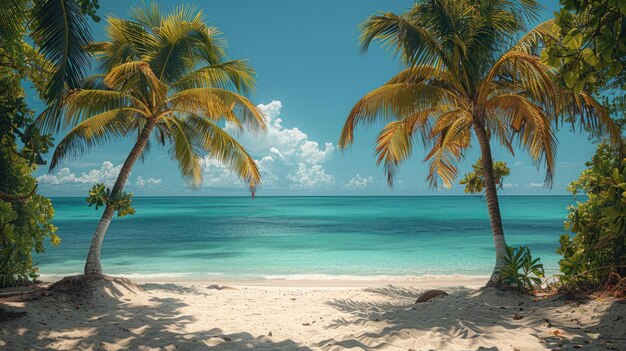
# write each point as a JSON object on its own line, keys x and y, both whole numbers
{"x": 308, "y": 315}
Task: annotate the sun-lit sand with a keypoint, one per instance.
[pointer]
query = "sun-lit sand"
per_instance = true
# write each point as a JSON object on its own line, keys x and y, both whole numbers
{"x": 307, "y": 315}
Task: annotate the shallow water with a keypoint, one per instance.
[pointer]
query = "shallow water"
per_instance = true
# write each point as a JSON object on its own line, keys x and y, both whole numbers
{"x": 304, "y": 237}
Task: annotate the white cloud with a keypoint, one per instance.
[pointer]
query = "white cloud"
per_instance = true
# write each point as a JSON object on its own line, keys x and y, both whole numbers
{"x": 359, "y": 182}
{"x": 286, "y": 157}
{"x": 518, "y": 163}
{"x": 509, "y": 185}
{"x": 147, "y": 183}
{"x": 310, "y": 177}
{"x": 215, "y": 174}
{"x": 536, "y": 185}
{"x": 107, "y": 174}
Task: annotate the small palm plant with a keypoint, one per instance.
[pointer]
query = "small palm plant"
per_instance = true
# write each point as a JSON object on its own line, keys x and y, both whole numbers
{"x": 165, "y": 80}
{"x": 520, "y": 269}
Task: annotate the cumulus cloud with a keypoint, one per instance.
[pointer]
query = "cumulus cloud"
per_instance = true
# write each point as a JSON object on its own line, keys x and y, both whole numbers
{"x": 215, "y": 174}
{"x": 107, "y": 174}
{"x": 286, "y": 157}
{"x": 536, "y": 185}
{"x": 509, "y": 185}
{"x": 359, "y": 182}
{"x": 310, "y": 177}
{"x": 147, "y": 183}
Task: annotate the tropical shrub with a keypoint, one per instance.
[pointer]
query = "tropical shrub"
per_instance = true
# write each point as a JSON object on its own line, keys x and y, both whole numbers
{"x": 53, "y": 60}
{"x": 597, "y": 252}
{"x": 591, "y": 53}
{"x": 520, "y": 269}
{"x": 25, "y": 216}
{"x": 474, "y": 181}
{"x": 100, "y": 195}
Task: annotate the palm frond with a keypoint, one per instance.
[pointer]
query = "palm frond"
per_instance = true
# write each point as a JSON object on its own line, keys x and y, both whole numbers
{"x": 82, "y": 104}
{"x": 128, "y": 42}
{"x": 61, "y": 32}
{"x": 235, "y": 74}
{"x": 452, "y": 136}
{"x": 394, "y": 101}
{"x": 539, "y": 35}
{"x": 412, "y": 41}
{"x": 147, "y": 13}
{"x": 136, "y": 76}
{"x": 184, "y": 151}
{"x": 517, "y": 71}
{"x": 394, "y": 143}
{"x": 94, "y": 131}
{"x": 12, "y": 19}
{"x": 224, "y": 148}
{"x": 215, "y": 103}
{"x": 531, "y": 126}
{"x": 591, "y": 116}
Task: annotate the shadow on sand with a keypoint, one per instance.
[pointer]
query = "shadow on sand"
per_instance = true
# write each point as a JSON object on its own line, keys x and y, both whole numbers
{"x": 476, "y": 320}
{"x": 111, "y": 320}
{"x": 128, "y": 317}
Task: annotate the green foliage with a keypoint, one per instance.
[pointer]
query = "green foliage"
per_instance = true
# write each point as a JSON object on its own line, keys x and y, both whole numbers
{"x": 473, "y": 181}
{"x": 598, "y": 247}
{"x": 25, "y": 216}
{"x": 89, "y": 7}
{"x": 591, "y": 52}
{"x": 520, "y": 270}
{"x": 100, "y": 195}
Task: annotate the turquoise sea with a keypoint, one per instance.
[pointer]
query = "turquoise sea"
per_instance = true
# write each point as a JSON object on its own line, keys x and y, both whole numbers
{"x": 304, "y": 237}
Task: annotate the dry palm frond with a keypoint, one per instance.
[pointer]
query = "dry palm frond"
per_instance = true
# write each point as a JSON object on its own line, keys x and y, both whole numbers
{"x": 429, "y": 295}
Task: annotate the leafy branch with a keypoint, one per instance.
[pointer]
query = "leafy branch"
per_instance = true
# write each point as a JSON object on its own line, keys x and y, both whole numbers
{"x": 100, "y": 195}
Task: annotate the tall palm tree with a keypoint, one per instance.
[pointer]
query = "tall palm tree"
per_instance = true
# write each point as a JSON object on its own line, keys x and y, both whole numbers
{"x": 165, "y": 80}
{"x": 468, "y": 74}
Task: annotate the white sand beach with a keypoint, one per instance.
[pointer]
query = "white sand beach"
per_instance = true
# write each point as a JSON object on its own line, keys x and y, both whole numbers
{"x": 307, "y": 315}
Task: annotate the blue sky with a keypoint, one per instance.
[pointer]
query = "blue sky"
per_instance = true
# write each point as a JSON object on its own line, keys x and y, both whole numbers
{"x": 310, "y": 74}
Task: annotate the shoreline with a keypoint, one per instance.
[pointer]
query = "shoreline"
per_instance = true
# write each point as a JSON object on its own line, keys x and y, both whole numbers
{"x": 309, "y": 281}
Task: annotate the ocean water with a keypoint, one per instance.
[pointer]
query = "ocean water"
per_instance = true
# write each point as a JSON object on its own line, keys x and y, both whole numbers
{"x": 304, "y": 237}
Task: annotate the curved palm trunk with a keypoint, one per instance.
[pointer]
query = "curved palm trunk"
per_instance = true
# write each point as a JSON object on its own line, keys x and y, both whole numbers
{"x": 92, "y": 265}
{"x": 492, "y": 197}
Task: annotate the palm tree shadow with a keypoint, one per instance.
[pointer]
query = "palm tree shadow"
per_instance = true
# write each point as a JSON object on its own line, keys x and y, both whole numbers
{"x": 608, "y": 333}
{"x": 478, "y": 319}
{"x": 111, "y": 322}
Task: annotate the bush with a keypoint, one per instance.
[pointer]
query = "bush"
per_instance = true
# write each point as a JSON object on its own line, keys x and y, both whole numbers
{"x": 520, "y": 269}
{"x": 25, "y": 216}
{"x": 597, "y": 251}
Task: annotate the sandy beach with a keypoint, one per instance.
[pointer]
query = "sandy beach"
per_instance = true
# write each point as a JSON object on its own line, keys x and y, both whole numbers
{"x": 307, "y": 315}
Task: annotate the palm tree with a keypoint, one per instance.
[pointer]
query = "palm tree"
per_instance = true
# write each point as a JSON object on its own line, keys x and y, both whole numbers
{"x": 166, "y": 81}
{"x": 468, "y": 74}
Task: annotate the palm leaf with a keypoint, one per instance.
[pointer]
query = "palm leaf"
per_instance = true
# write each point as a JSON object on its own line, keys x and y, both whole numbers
{"x": 137, "y": 77}
{"x": 225, "y": 149}
{"x": 61, "y": 32}
{"x": 96, "y": 130}
{"x": 451, "y": 135}
{"x": 215, "y": 103}
{"x": 393, "y": 101}
{"x": 184, "y": 151}
{"x": 82, "y": 104}
{"x": 411, "y": 40}
{"x": 12, "y": 19}
{"x": 235, "y": 74}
